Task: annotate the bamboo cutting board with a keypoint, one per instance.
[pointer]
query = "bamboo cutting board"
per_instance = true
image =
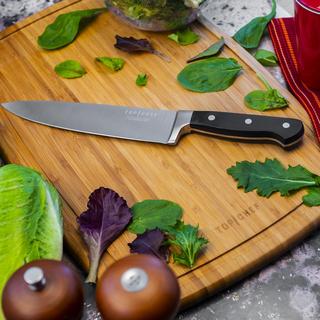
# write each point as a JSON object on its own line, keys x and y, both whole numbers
{"x": 245, "y": 231}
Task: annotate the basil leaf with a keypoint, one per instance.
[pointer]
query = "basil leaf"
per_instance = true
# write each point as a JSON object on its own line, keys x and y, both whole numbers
{"x": 114, "y": 64}
{"x": 210, "y": 75}
{"x": 266, "y": 58}
{"x": 271, "y": 176}
{"x": 152, "y": 214}
{"x": 188, "y": 243}
{"x": 312, "y": 199}
{"x": 142, "y": 80}
{"x": 265, "y": 100}
{"x": 249, "y": 36}
{"x": 184, "y": 37}
{"x": 65, "y": 28}
{"x": 70, "y": 69}
{"x": 210, "y": 52}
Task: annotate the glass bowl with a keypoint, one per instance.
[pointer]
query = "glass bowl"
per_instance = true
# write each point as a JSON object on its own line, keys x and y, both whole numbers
{"x": 155, "y": 15}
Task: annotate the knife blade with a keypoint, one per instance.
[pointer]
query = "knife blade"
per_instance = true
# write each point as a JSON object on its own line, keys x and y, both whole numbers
{"x": 159, "y": 126}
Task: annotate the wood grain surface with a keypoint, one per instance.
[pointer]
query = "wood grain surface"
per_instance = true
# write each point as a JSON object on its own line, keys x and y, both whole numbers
{"x": 245, "y": 231}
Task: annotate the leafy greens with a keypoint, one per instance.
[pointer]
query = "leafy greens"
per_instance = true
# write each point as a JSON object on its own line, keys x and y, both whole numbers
{"x": 65, "y": 28}
{"x": 142, "y": 80}
{"x": 114, "y": 64}
{"x": 132, "y": 45}
{"x": 249, "y": 36}
{"x": 106, "y": 218}
{"x": 156, "y": 220}
{"x": 210, "y": 75}
{"x": 151, "y": 242}
{"x": 266, "y": 58}
{"x": 152, "y": 214}
{"x": 313, "y": 197}
{"x": 187, "y": 242}
{"x": 70, "y": 69}
{"x": 271, "y": 176}
{"x": 210, "y": 52}
{"x": 31, "y": 222}
{"x": 184, "y": 37}
{"x": 264, "y": 100}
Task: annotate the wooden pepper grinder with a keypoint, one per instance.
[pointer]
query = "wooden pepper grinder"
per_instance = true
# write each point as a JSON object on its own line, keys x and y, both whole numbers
{"x": 43, "y": 290}
{"x": 138, "y": 287}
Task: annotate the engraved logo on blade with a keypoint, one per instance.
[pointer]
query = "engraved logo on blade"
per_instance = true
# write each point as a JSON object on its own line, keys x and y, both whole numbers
{"x": 140, "y": 115}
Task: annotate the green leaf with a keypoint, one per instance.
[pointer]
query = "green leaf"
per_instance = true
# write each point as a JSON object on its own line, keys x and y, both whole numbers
{"x": 264, "y": 100}
{"x": 188, "y": 243}
{"x": 210, "y": 52}
{"x": 312, "y": 199}
{"x": 271, "y": 176}
{"x": 70, "y": 69}
{"x": 152, "y": 214}
{"x": 210, "y": 75}
{"x": 31, "y": 222}
{"x": 65, "y": 28}
{"x": 114, "y": 64}
{"x": 142, "y": 80}
{"x": 184, "y": 37}
{"x": 266, "y": 58}
{"x": 249, "y": 36}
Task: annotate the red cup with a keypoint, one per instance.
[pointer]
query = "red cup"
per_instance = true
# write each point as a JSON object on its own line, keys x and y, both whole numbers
{"x": 307, "y": 21}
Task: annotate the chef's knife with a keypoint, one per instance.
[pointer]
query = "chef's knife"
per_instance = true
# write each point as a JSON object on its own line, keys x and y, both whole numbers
{"x": 160, "y": 126}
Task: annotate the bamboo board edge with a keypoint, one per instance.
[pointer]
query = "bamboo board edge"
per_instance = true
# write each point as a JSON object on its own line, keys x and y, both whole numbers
{"x": 234, "y": 273}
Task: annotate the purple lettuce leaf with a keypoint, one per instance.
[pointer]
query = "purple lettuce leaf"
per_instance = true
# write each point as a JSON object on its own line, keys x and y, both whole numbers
{"x": 105, "y": 219}
{"x": 132, "y": 44}
{"x": 151, "y": 242}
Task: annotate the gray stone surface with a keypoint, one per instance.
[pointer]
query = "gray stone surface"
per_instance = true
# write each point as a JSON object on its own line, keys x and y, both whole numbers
{"x": 286, "y": 290}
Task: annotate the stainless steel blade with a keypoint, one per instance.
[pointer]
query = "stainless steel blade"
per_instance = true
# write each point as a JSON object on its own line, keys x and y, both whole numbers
{"x": 160, "y": 126}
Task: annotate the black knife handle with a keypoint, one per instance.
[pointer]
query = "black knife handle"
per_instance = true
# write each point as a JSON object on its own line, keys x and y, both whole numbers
{"x": 284, "y": 131}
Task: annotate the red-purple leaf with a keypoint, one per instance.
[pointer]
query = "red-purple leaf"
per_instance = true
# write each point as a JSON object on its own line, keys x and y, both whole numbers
{"x": 105, "y": 219}
{"x": 137, "y": 45}
{"x": 151, "y": 242}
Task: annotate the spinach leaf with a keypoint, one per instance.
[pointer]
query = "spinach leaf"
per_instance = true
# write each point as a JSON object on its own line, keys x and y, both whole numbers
{"x": 152, "y": 214}
{"x": 185, "y": 238}
{"x": 210, "y": 52}
{"x": 312, "y": 199}
{"x": 271, "y": 176}
{"x": 265, "y": 100}
{"x": 142, "y": 80}
{"x": 65, "y": 28}
{"x": 184, "y": 37}
{"x": 249, "y": 36}
{"x": 210, "y": 75}
{"x": 70, "y": 69}
{"x": 266, "y": 58}
{"x": 114, "y": 64}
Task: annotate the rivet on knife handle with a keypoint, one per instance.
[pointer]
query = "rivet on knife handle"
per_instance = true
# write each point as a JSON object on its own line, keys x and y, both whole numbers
{"x": 284, "y": 131}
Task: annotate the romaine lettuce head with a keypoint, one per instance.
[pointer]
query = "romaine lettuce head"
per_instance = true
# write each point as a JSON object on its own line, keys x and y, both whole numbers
{"x": 30, "y": 220}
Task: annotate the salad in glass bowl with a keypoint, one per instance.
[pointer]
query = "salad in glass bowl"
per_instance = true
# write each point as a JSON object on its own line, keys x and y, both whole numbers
{"x": 155, "y": 15}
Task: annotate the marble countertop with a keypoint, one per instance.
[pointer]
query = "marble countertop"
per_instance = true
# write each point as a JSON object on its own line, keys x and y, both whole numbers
{"x": 286, "y": 290}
